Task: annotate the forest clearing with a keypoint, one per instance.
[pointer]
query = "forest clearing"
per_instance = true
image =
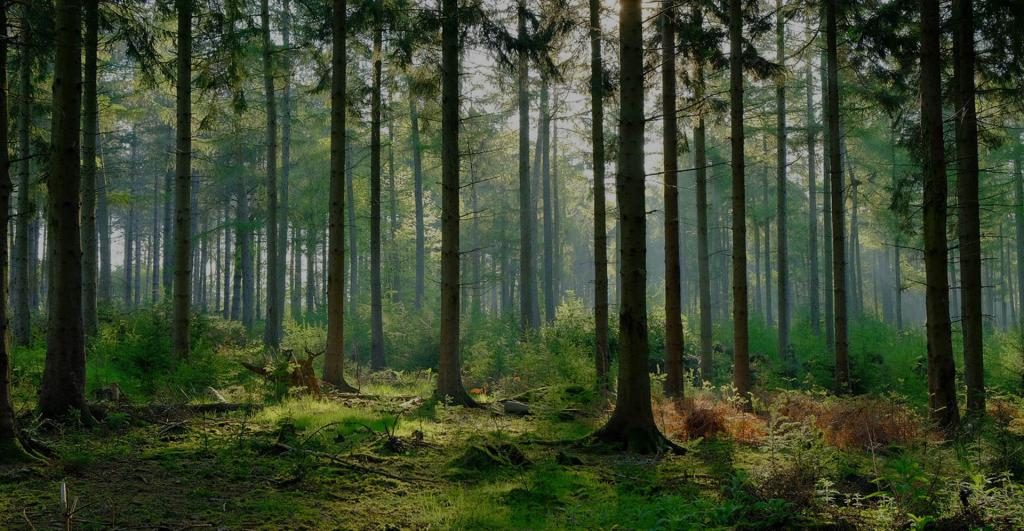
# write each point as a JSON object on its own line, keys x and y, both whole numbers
{"x": 531, "y": 264}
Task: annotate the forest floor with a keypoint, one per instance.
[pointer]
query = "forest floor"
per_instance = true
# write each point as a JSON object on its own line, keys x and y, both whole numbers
{"x": 398, "y": 460}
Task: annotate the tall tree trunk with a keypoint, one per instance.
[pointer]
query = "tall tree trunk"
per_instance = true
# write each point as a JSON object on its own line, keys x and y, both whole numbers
{"x": 334, "y": 358}
{"x": 90, "y": 132}
{"x": 449, "y": 375}
{"x": 830, "y": 322}
{"x": 286, "y": 141}
{"x": 183, "y": 184}
{"x": 128, "y": 265}
{"x": 601, "y": 352}
{"x": 842, "y": 370}
{"x": 548, "y": 208}
{"x": 814, "y": 284}
{"x": 417, "y": 175}
{"x": 296, "y": 280}
{"x": 377, "y": 361}
{"x": 396, "y": 268}
{"x": 24, "y": 260}
{"x": 353, "y": 240}
{"x": 169, "y": 241}
{"x": 967, "y": 199}
{"x": 245, "y": 264}
{"x": 229, "y": 260}
{"x": 707, "y": 367}
{"x": 740, "y": 313}
{"x": 311, "y": 271}
{"x": 670, "y": 147}
{"x": 63, "y": 384}
{"x": 10, "y": 448}
{"x": 897, "y": 266}
{"x": 272, "y": 329}
{"x": 1018, "y": 217}
{"x": 528, "y": 318}
{"x": 155, "y": 247}
{"x": 942, "y": 398}
{"x": 556, "y": 207}
{"x": 632, "y": 422}
{"x": 782, "y": 265}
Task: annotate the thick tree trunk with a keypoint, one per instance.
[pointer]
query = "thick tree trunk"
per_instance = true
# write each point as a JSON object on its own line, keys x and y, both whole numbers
{"x": 377, "y": 361}
{"x": 941, "y": 371}
{"x": 529, "y": 311}
{"x": 842, "y": 370}
{"x": 670, "y": 190}
{"x": 740, "y": 313}
{"x": 417, "y": 176}
{"x": 63, "y": 384}
{"x": 601, "y": 352}
{"x": 632, "y": 422}
{"x": 814, "y": 283}
{"x": 90, "y": 134}
{"x": 781, "y": 161}
{"x": 24, "y": 262}
{"x": 334, "y": 358}
{"x": 272, "y": 329}
{"x": 967, "y": 198}
{"x": 449, "y": 374}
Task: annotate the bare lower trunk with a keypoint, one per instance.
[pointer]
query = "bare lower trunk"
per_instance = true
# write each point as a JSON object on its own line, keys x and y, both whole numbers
{"x": 449, "y": 375}
{"x": 842, "y": 370}
{"x": 334, "y": 358}
{"x": 63, "y": 384}
{"x": 23, "y": 260}
{"x": 601, "y": 354}
{"x": 780, "y": 193}
{"x": 673, "y": 302}
{"x": 527, "y": 289}
{"x": 376, "y": 292}
{"x": 740, "y": 313}
{"x": 272, "y": 329}
{"x": 941, "y": 371}
{"x": 814, "y": 284}
{"x": 90, "y": 132}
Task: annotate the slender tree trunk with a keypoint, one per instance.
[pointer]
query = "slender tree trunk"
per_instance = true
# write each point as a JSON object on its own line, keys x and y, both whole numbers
{"x": 814, "y": 286}
{"x": 286, "y": 138}
{"x": 396, "y": 269}
{"x": 155, "y": 247}
{"x": 527, "y": 290}
{"x": 183, "y": 184}
{"x": 90, "y": 133}
{"x": 334, "y": 358}
{"x": 842, "y": 370}
{"x": 670, "y": 147}
{"x": 353, "y": 240}
{"x": 548, "y": 208}
{"x": 229, "y": 254}
{"x": 169, "y": 241}
{"x": 707, "y": 367}
{"x": 417, "y": 175}
{"x": 740, "y": 315}
{"x": 272, "y": 329}
{"x": 63, "y": 384}
{"x": 830, "y": 322}
{"x": 296, "y": 282}
{"x": 10, "y": 448}
{"x": 377, "y": 361}
{"x": 782, "y": 265}
{"x": 311, "y": 271}
{"x": 967, "y": 198}
{"x": 24, "y": 261}
{"x": 1018, "y": 217}
{"x": 449, "y": 375}
{"x": 245, "y": 258}
{"x": 601, "y": 352}
{"x": 556, "y": 208}
{"x": 632, "y": 422}
{"x": 941, "y": 371}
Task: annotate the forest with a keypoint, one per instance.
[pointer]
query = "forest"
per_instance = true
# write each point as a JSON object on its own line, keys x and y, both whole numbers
{"x": 511, "y": 264}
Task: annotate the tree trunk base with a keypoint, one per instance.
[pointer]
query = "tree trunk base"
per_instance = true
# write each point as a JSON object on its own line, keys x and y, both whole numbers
{"x": 13, "y": 453}
{"x": 342, "y": 386}
{"x": 633, "y": 438}
{"x": 460, "y": 398}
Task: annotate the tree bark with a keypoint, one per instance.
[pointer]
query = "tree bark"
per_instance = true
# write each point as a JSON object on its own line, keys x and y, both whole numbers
{"x": 842, "y": 370}
{"x": 942, "y": 398}
{"x": 782, "y": 265}
{"x": 334, "y": 358}
{"x": 632, "y": 422}
{"x": 707, "y": 367}
{"x": 449, "y": 374}
{"x": 814, "y": 283}
{"x": 967, "y": 198}
{"x": 90, "y": 133}
{"x": 183, "y": 185}
{"x": 1018, "y": 217}
{"x": 601, "y": 352}
{"x": 24, "y": 262}
{"x": 547, "y": 206}
{"x": 377, "y": 361}
{"x": 528, "y": 316}
{"x": 272, "y": 329}
{"x": 286, "y": 141}
{"x": 830, "y": 322}
{"x": 740, "y": 312}
{"x": 670, "y": 190}
{"x": 417, "y": 175}
{"x": 63, "y": 384}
